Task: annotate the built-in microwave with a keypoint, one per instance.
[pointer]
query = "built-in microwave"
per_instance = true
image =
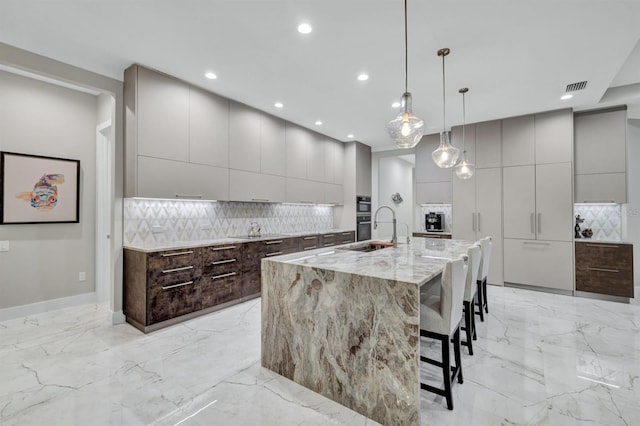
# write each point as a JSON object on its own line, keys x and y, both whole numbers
{"x": 363, "y": 229}
{"x": 363, "y": 204}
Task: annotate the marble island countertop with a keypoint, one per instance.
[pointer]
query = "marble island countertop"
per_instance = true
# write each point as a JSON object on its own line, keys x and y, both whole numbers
{"x": 177, "y": 245}
{"x": 417, "y": 262}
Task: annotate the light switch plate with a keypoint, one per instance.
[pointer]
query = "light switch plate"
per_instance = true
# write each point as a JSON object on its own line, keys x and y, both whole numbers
{"x": 4, "y": 245}
{"x": 82, "y": 276}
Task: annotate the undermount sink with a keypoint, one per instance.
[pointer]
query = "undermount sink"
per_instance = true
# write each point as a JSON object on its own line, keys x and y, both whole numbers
{"x": 368, "y": 246}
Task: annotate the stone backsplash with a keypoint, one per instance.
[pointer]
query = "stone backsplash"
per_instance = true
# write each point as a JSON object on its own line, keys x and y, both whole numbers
{"x": 605, "y": 220}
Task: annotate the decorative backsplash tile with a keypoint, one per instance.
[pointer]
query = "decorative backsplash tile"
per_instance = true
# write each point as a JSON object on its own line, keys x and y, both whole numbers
{"x": 436, "y": 208}
{"x": 150, "y": 222}
{"x": 605, "y": 220}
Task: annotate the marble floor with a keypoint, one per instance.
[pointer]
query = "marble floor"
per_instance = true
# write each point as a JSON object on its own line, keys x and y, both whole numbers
{"x": 541, "y": 359}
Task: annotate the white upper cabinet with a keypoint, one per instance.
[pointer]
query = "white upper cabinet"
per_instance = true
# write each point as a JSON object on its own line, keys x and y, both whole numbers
{"x": 488, "y": 147}
{"x": 433, "y": 193}
{"x": 518, "y": 141}
{"x": 208, "y": 128}
{"x": 316, "y": 158}
{"x": 244, "y": 137}
{"x": 162, "y": 113}
{"x": 337, "y": 160}
{"x": 257, "y": 187}
{"x": 601, "y": 142}
{"x": 519, "y": 214}
{"x": 426, "y": 168}
{"x": 554, "y": 137}
{"x": 297, "y": 141}
{"x": 272, "y": 146}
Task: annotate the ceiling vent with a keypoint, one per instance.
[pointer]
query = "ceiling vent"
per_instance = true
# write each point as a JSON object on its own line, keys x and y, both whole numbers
{"x": 574, "y": 87}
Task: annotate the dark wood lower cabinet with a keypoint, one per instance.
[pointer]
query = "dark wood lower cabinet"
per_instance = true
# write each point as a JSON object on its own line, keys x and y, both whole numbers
{"x": 161, "y": 287}
{"x": 604, "y": 268}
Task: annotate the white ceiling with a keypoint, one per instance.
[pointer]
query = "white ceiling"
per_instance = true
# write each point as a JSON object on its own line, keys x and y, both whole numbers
{"x": 515, "y": 56}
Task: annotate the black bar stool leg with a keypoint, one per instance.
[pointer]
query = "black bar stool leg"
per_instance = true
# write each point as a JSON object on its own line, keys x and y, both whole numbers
{"x": 484, "y": 291}
{"x": 446, "y": 372}
{"x": 456, "y": 353}
{"x": 480, "y": 302}
{"x": 469, "y": 307}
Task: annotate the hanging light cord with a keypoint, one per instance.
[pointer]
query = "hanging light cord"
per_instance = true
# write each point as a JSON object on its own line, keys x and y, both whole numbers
{"x": 464, "y": 122}
{"x": 444, "y": 108}
{"x": 406, "y": 51}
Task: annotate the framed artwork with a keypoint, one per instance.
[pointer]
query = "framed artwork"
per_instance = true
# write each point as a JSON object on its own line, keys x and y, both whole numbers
{"x": 37, "y": 189}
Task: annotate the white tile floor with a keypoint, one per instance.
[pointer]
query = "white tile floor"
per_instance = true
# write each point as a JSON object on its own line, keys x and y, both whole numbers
{"x": 541, "y": 359}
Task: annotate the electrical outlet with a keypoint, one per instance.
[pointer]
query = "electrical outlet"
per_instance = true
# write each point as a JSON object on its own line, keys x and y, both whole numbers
{"x": 4, "y": 245}
{"x": 82, "y": 276}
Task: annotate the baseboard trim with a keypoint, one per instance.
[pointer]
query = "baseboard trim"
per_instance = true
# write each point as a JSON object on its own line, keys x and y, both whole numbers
{"x": 542, "y": 289}
{"x": 117, "y": 317}
{"x": 599, "y": 296}
{"x": 46, "y": 306}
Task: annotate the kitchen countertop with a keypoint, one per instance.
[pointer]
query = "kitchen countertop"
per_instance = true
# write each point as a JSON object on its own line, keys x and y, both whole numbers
{"x": 177, "y": 245}
{"x": 417, "y": 262}
{"x": 593, "y": 241}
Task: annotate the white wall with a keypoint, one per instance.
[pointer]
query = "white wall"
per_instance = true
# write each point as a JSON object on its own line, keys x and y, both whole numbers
{"x": 633, "y": 207}
{"x": 44, "y": 259}
{"x": 391, "y": 175}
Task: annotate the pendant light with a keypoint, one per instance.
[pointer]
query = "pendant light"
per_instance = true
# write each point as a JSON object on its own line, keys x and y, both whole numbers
{"x": 406, "y": 129}
{"x": 446, "y": 155}
{"x": 464, "y": 169}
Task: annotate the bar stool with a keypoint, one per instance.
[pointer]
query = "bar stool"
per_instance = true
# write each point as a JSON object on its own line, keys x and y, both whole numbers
{"x": 470, "y": 291}
{"x": 440, "y": 318}
{"x": 485, "y": 243}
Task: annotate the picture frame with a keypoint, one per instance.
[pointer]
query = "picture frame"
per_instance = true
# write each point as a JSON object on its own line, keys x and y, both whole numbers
{"x": 38, "y": 189}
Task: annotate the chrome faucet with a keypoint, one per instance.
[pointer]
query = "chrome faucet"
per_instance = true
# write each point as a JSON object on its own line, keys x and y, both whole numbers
{"x": 394, "y": 238}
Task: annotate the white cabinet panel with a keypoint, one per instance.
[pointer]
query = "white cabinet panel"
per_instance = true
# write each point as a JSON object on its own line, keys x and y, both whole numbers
{"x": 159, "y": 178}
{"x": 297, "y": 141}
{"x": 435, "y": 192}
{"x": 518, "y": 141}
{"x": 554, "y": 202}
{"x": 333, "y": 194}
{"x": 316, "y": 158}
{"x": 488, "y": 144}
{"x": 162, "y": 113}
{"x": 426, "y": 169}
{"x": 601, "y": 188}
{"x": 305, "y": 191}
{"x": 600, "y": 142}
{"x": 539, "y": 263}
{"x": 489, "y": 217}
{"x": 554, "y": 137}
{"x": 338, "y": 162}
{"x": 244, "y": 137}
{"x": 272, "y": 146}
{"x": 249, "y": 186}
{"x": 464, "y": 209}
{"x": 208, "y": 128}
{"x": 519, "y": 201}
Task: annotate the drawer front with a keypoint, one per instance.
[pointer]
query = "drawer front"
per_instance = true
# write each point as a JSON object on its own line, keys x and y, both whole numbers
{"x": 222, "y": 252}
{"x": 604, "y": 268}
{"x": 220, "y": 288}
{"x": 166, "y": 302}
{"x": 346, "y": 237}
{"x": 171, "y": 267}
{"x": 539, "y": 263}
{"x": 279, "y": 246}
{"x": 173, "y": 259}
{"x": 222, "y": 266}
{"x": 309, "y": 242}
{"x": 608, "y": 256}
{"x": 328, "y": 240}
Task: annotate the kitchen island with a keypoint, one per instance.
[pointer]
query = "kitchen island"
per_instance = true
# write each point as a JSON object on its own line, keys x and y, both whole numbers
{"x": 345, "y": 322}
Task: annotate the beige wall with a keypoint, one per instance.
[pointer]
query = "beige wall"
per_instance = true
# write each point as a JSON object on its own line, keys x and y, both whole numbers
{"x": 44, "y": 259}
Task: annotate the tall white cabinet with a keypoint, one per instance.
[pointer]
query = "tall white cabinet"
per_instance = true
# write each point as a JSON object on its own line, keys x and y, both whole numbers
{"x": 433, "y": 184}
{"x": 477, "y": 202}
{"x": 538, "y": 200}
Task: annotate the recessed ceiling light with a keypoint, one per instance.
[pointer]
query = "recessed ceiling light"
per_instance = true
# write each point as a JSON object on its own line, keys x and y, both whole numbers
{"x": 395, "y": 105}
{"x": 350, "y": 136}
{"x": 566, "y": 96}
{"x": 304, "y": 28}
{"x": 363, "y": 77}
{"x": 318, "y": 123}
{"x": 278, "y": 105}
{"x": 210, "y": 75}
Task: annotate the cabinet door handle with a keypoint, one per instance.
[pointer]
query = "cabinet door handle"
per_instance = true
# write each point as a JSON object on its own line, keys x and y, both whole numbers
{"x": 222, "y": 248}
{"x": 309, "y": 238}
{"x": 539, "y": 221}
{"x": 601, "y": 245}
{"x": 199, "y": 196}
{"x": 329, "y": 235}
{"x": 275, "y": 253}
{"x": 473, "y": 222}
{"x": 346, "y": 233}
{"x": 273, "y": 242}
{"x": 365, "y": 223}
{"x": 604, "y": 270}
{"x": 168, "y": 271}
{"x": 536, "y": 243}
{"x": 217, "y": 277}
{"x": 310, "y": 248}
{"x": 182, "y": 253}
{"x": 533, "y": 229}
{"x": 260, "y": 199}
{"x": 222, "y": 262}
{"x": 478, "y": 216}
{"x": 168, "y": 287}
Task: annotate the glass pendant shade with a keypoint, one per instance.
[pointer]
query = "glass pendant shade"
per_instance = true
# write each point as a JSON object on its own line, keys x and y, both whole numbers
{"x": 406, "y": 129}
{"x": 464, "y": 169}
{"x": 446, "y": 155}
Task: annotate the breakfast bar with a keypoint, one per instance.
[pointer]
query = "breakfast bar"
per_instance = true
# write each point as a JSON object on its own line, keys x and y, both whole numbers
{"x": 345, "y": 322}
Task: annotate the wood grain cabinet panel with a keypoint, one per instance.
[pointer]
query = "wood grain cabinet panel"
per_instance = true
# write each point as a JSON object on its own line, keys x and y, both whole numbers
{"x": 167, "y": 302}
{"x": 604, "y": 268}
